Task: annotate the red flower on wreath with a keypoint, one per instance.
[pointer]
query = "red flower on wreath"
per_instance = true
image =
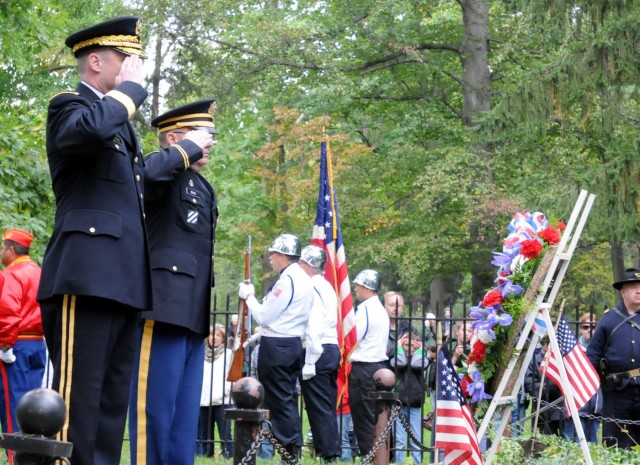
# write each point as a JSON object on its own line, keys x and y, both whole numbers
{"x": 478, "y": 351}
{"x": 550, "y": 235}
{"x": 531, "y": 248}
{"x": 492, "y": 298}
{"x": 465, "y": 382}
{"x": 561, "y": 226}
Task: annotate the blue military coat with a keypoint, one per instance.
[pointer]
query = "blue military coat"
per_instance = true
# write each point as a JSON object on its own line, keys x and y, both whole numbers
{"x": 623, "y": 350}
{"x": 98, "y": 246}
{"x": 181, "y": 214}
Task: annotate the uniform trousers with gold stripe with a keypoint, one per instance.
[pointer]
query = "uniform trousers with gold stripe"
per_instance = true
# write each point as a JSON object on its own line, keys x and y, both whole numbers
{"x": 165, "y": 395}
{"x": 91, "y": 343}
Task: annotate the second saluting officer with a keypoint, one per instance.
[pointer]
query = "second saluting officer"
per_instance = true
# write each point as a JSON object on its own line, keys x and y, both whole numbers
{"x": 181, "y": 214}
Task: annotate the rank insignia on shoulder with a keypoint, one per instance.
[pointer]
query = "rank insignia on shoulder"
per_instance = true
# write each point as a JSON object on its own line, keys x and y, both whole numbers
{"x": 64, "y": 92}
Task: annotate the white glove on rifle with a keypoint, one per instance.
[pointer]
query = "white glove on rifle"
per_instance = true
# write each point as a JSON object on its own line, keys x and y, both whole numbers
{"x": 308, "y": 371}
{"x": 246, "y": 290}
{"x": 252, "y": 341}
{"x": 6, "y": 355}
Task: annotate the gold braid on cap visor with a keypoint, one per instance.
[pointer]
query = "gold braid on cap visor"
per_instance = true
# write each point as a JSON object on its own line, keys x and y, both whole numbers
{"x": 110, "y": 41}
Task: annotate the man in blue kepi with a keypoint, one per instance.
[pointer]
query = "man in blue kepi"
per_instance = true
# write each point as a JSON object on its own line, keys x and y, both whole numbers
{"x": 615, "y": 350}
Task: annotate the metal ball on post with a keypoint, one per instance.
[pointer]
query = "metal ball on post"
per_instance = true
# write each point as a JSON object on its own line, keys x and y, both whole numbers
{"x": 384, "y": 380}
{"x": 247, "y": 394}
{"x": 40, "y": 414}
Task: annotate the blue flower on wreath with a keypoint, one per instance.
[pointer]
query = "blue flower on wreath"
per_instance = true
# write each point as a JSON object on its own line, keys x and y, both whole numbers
{"x": 506, "y": 286}
{"x": 476, "y": 388}
{"x": 488, "y": 318}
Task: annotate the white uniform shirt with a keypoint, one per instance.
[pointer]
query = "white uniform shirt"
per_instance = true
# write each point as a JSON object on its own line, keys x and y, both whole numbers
{"x": 285, "y": 309}
{"x": 372, "y": 327}
{"x": 323, "y": 319}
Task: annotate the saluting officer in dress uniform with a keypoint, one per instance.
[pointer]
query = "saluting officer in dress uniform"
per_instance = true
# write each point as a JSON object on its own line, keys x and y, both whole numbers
{"x": 615, "y": 350}
{"x": 95, "y": 273}
{"x": 181, "y": 214}
{"x": 369, "y": 355}
{"x": 283, "y": 316}
{"x": 322, "y": 358}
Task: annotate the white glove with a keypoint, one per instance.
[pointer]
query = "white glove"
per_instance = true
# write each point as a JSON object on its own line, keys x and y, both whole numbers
{"x": 252, "y": 341}
{"x": 6, "y": 355}
{"x": 246, "y": 290}
{"x": 308, "y": 371}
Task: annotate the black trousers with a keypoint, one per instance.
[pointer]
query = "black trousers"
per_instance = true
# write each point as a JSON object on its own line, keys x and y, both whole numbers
{"x": 279, "y": 366}
{"x": 91, "y": 342}
{"x": 320, "y": 394}
{"x": 362, "y": 408}
{"x": 624, "y": 405}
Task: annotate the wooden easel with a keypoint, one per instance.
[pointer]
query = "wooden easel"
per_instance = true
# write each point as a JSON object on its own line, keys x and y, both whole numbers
{"x": 545, "y": 298}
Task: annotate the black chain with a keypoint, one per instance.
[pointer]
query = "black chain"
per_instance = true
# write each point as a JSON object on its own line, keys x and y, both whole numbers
{"x": 617, "y": 421}
{"x": 367, "y": 459}
{"x": 407, "y": 428}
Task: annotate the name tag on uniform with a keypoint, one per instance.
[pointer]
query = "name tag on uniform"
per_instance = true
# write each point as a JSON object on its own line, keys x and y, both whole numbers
{"x": 192, "y": 192}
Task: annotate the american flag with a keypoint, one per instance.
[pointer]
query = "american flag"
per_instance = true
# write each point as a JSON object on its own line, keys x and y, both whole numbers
{"x": 455, "y": 431}
{"x": 583, "y": 377}
{"x": 326, "y": 234}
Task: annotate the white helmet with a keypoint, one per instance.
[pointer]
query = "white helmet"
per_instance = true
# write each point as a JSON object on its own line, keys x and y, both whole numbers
{"x": 314, "y": 256}
{"x": 286, "y": 244}
{"x": 369, "y": 279}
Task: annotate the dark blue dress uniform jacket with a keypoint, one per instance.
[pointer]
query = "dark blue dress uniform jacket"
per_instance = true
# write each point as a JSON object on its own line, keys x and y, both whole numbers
{"x": 98, "y": 246}
{"x": 181, "y": 213}
{"x": 623, "y": 351}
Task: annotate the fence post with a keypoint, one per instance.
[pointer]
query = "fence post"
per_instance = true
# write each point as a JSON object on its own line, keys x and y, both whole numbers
{"x": 40, "y": 413}
{"x": 248, "y": 394}
{"x": 384, "y": 380}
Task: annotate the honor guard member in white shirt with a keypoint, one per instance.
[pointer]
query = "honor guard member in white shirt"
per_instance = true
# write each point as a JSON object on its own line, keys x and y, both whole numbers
{"x": 283, "y": 316}
{"x": 320, "y": 371}
{"x": 181, "y": 216}
{"x": 370, "y": 354}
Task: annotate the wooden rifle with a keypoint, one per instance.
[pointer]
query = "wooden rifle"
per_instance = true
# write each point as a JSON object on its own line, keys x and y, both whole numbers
{"x": 244, "y": 322}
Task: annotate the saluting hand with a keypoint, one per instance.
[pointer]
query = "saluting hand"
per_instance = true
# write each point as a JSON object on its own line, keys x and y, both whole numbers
{"x": 201, "y": 138}
{"x": 131, "y": 70}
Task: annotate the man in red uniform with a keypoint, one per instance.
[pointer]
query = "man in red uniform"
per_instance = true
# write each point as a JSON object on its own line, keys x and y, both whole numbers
{"x": 22, "y": 348}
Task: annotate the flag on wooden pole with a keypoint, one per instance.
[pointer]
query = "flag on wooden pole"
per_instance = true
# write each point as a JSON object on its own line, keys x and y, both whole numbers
{"x": 326, "y": 234}
{"x": 583, "y": 377}
{"x": 455, "y": 430}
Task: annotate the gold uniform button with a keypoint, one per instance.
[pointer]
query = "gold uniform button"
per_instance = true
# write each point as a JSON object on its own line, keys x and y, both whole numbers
{"x": 141, "y": 196}
{"x": 92, "y": 230}
{"x": 144, "y": 215}
{"x": 135, "y": 160}
{"x": 138, "y": 177}
{"x": 117, "y": 147}
{"x": 174, "y": 268}
{"x": 194, "y": 201}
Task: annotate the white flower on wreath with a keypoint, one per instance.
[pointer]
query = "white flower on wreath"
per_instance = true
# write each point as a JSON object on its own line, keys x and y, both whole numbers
{"x": 484, "y": 336}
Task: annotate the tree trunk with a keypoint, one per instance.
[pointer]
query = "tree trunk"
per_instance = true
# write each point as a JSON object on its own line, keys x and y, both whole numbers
{"x": 617, "y": 264}
{"x": 437, "y": 295}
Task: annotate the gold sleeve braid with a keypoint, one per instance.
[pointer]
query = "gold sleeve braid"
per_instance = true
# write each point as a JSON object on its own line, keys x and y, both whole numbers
{"x": 124, "y": 99}
{"x": 185, "y": 157}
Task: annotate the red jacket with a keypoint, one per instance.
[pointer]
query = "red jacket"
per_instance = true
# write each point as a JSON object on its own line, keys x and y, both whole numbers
{"x": 19, "y": 310}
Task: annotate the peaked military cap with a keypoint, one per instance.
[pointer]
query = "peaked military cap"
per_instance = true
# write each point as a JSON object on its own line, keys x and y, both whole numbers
{"x": 121, "y": 34}
{"x": 196, "y": 115}
{"x": 630, "y": 275}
